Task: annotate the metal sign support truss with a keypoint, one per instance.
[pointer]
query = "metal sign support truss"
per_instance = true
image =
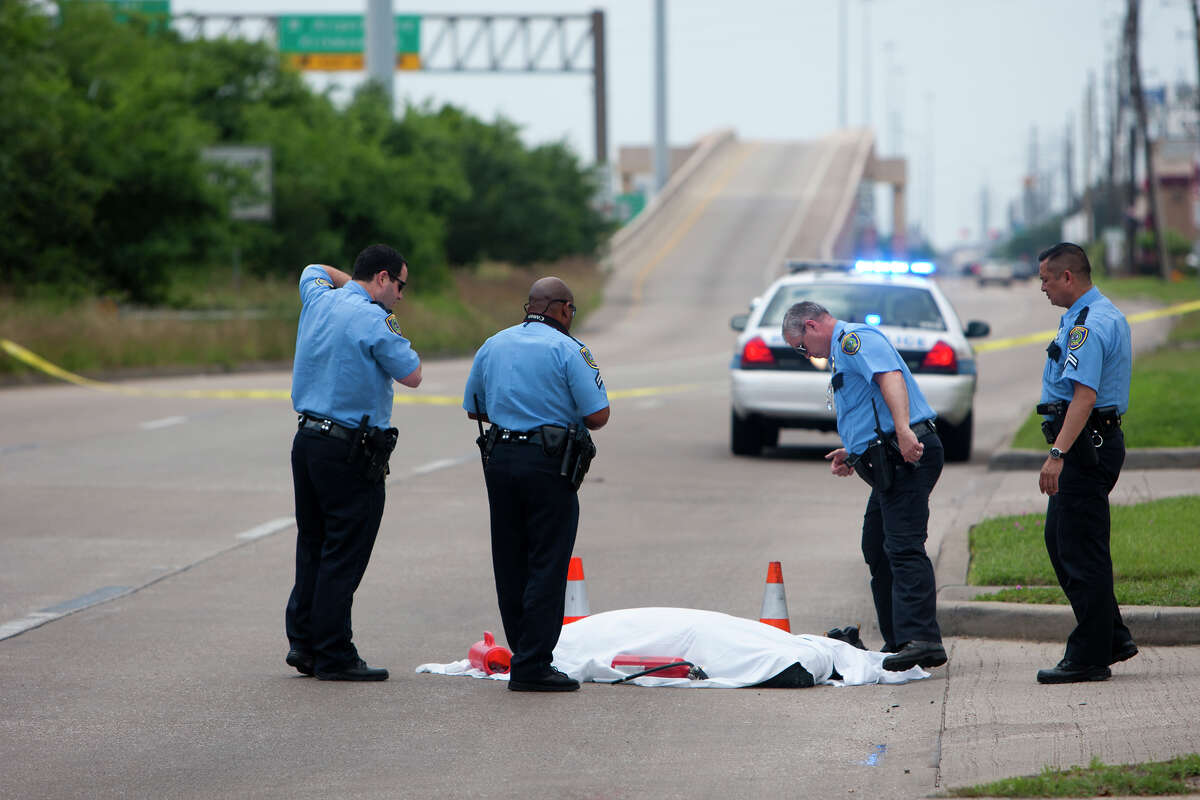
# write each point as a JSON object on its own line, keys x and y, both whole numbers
{"x": 515, "y": 44}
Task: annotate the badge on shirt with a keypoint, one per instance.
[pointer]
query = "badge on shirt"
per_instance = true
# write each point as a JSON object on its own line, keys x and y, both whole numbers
{"x": 850, "y": 344}
{"x": 587, "y": 357}
{"x": 322, "y": 282}
{"x": 393, "y": 324}
{"x": 1077, "y": 337}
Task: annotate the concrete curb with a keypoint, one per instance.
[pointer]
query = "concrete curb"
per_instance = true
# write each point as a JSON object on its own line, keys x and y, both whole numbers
{"x": 958, "y": 615}
{"x": 1136, "y": 458}
{"x": 1151, "y": 625}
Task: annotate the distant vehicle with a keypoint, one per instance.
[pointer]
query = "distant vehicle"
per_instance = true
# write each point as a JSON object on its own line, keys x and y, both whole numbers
{"x": 774, "y": 387}
{"x": 1025, "y": 268}
{"x": 996, "y": 271}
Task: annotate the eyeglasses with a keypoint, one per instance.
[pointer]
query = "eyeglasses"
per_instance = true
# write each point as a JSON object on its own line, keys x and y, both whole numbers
{"x": 401, "y": 283}
{"x": 570, "y": 305}
{"x": 800, "y": 348}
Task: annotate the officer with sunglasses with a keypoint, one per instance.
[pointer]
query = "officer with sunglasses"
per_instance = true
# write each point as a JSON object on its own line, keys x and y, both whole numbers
{"x": 349, "y": 350}
{"x": 542, "y": 392}
{"x": 889, "y": 439}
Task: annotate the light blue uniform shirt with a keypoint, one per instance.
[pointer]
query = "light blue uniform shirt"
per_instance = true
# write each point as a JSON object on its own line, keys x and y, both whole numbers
{"x": 858, "y": 353}
{"x": 533, "y": 374}
{"x": 1096, "y": 352}
{"x": 348, "y": 351}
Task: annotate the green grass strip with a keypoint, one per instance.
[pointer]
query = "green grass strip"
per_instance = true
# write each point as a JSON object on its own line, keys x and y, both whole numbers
{"x": 1155, "y": 550}
{"x": 1177, "y": 776}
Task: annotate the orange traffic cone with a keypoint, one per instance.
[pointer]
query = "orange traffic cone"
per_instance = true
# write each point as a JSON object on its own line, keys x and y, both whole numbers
{"x": 576, "y": 605}
{"x": 774, "y": 605}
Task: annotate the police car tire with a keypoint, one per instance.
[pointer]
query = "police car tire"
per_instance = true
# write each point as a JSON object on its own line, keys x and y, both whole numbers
{"x": 956, "y": 439}
{"x": 745, "y": 436}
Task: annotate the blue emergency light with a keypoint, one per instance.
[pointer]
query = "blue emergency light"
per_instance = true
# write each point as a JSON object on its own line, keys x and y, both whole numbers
{"x": 894, "y": 267}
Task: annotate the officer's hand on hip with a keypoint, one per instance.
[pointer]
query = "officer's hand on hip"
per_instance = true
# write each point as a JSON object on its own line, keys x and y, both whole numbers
{"x": 838, "y": 465}
{"x": 910, "y": 448}
{"x": 1048, "y": 477}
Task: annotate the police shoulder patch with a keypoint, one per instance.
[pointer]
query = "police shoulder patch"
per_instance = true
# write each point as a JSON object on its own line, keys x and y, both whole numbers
{"x": 393, "y": 324}
{"x": 851, "y": 344}
{"x": 1077, "y": 337}
{"x": 322, "y": 282}
{"x": 587, "y": 357}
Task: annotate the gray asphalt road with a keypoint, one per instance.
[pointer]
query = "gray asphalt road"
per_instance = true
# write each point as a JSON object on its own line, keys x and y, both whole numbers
{"x": 179, "y": 689}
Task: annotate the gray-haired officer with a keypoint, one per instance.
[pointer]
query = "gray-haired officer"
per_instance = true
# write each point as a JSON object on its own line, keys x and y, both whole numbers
{"x": 1085, "y": 390}
{"x": 542, "y": 391}
{"x": 889, "y": 439}
{"x": 348, "y": 352}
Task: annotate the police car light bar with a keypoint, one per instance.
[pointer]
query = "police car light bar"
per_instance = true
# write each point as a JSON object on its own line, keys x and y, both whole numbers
{"x": 863, "y": 265}
{"x": 894, "y": 267}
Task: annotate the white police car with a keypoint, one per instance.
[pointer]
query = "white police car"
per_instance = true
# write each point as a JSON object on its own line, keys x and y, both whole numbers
{"x": 774, "y": 387}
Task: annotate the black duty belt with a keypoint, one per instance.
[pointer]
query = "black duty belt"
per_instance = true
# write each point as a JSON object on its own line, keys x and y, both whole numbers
{"x": 1099, "y": 419}
{"x": 327, "y": 427}
{"x": 924, "y": 428}
{"x": 529, "y": 437}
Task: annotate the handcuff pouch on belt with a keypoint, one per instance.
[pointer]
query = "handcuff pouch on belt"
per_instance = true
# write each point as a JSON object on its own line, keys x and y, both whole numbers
{"x": 375, "y": 446}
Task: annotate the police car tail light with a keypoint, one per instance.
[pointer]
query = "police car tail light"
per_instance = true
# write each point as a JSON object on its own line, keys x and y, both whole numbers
{"x": 757, "y": 352}
{"x": 941, "y": 358}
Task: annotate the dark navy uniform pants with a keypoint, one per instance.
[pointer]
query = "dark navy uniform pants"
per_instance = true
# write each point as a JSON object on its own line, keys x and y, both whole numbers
{"x": 535, "y": 514}
{"x": 337, "y": 518}
{"x": 1077, "y": 539}
{"x": 895, "y": 527}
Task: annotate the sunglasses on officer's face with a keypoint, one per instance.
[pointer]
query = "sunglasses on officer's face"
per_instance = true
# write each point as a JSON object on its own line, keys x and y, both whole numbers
{"x": 800, "y": 348}
{"x": 399, "y": 282}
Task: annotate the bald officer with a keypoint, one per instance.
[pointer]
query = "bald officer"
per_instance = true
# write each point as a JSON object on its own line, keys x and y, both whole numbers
{"x": 348, "y": 351}
{"x": 873, "y": 389}
{"x": 1085, "y": 390}
{"x": 536, "y": 384}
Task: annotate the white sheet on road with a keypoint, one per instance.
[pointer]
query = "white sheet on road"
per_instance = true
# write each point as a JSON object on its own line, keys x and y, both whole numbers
{"x": 733, "y": 651}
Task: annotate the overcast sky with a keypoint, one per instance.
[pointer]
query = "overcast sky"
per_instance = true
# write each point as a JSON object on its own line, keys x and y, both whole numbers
{"x": 967, "y": 79}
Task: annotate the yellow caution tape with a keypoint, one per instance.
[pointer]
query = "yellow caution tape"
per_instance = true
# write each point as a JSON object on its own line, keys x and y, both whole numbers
{"x": 1043, "y": 336}
{"x": 32, "y": 359}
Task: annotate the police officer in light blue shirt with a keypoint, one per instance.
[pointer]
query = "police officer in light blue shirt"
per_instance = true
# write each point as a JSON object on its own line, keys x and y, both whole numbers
{"x": 537, "y": 385}
{"x": 349, "y": 350}
{"x": 873, "y": 388}
{"x": 1085, "y": 390}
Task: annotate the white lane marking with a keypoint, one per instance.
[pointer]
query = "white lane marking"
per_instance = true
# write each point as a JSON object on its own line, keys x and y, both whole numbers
{"x": 165, "y": 422}
{"x": 267, "y": 528}
{"x": 441, "y": 463}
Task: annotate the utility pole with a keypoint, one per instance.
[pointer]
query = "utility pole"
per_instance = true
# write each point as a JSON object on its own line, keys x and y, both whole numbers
{"x": 381, "y": 47}
{"x": 1069, "y": 162}
{"x": 1089, "y": 147}
{"x": 662, "y": 165}
{"x": 1139, "y": 103}
{"x": 843, "y": 27}
{"x": 1196, "y": 29}
{"x": 866, "y": 48}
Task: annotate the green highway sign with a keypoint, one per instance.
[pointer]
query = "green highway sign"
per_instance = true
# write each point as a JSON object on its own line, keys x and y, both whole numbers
{"x": 340, "y": 33}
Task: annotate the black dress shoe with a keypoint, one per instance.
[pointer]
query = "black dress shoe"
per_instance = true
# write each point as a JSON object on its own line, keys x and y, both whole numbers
{"x": 1070, "y": 672}
{"x": 358, "y": 671}
{"x": 550, "y": 680}
{"x": 1124, "y": 652}
{"x": 914, "y": 654}
{"x": 849, "y": 635}
{"x": 302, "y": 661}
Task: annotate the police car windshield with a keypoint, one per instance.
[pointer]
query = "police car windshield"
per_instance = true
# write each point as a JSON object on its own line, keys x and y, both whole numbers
{"x": 874, "y": 303}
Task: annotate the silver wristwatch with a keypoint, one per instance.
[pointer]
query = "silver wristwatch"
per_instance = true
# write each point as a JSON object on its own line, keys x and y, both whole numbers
{"x": 1055, "y": 453}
